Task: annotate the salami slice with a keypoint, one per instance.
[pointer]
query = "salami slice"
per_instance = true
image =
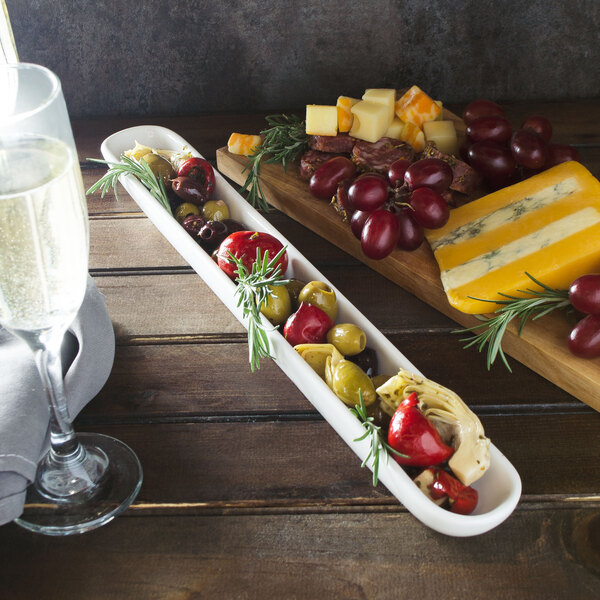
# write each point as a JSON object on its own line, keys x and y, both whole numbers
{"x": 465, "y": 179}
{"x": 312, "y": 160}
{"x": 378, "y": 156}
{"x": 341, "y": 143}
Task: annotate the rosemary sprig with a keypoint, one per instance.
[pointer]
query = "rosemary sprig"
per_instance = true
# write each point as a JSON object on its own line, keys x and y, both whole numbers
{"x": 373, "y": 432}
{"x": 137, "y": 168}
{"x": 283, "y": 141}
{"x": 252, "y": 291}
{"x": 536, "y": 305}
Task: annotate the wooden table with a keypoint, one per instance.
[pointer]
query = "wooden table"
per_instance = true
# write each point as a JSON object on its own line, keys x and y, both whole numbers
{"x": 247, "y": 492}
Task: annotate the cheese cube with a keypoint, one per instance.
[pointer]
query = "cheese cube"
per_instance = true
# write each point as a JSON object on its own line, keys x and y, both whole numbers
{"x": 547, "y": 226}
{"x": 321, "y": 120}
{"x": 243, "y": 144}
{"x": 383, "y": 96}
{"x": 395, "y": 129}
{"x": 443, "y": 134}
{"x": 416, "y": 107}
{"x": 441, "y": 105}
{"x": 371, "y": 120}
{"x": 344, "y": 114}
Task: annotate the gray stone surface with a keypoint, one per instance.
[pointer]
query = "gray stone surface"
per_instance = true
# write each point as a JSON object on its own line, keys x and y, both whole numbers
{"x": 173, "y": 57}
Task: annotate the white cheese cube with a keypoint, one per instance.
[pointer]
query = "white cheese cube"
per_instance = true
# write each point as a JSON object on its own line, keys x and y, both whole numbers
{"x": 371, "y": 120}
{"x": 443, "y": 134}
{"x": 395, "y": 129}
{"x": 321, "y": 120}
{"x": 383, "y": 96}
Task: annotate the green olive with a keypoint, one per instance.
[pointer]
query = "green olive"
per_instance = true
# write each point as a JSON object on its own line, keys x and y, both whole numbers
{"x": 215, "y": 210}
{"x": 185, "y": 209}
{"x": 319, "y": 294}
{"x": 160, "y": 166}
{"x": 294, "y": 287}
{"x": 347, "y": 379}
{"x": 348, "y": 338}
{"x": 278, "y": 306}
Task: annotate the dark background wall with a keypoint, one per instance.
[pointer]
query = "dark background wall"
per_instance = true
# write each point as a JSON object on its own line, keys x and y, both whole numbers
{"x": 172, "y": 57}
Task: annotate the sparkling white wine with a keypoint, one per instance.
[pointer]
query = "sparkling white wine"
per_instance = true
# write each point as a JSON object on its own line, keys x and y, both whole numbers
{"x": 44, "y": 238}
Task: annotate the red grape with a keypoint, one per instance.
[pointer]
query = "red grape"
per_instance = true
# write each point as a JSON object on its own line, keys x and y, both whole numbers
{"x": 357, "y": 222}
{"x": 494, "y": 162}
{"x": 584, "y": 294}
{"x": 529, "y": 149}
{"x": 584, "y": 339}
{"x": 368, "y": 192}
{"x": 380, "y": 234}
{"x": 396, "y": 172}
{"x": 411, "y": 233}
{"x": 492, "y": 128}
{"x": 559, "y": 153}
{"x": 429, "y": 172}
{"x": 325, "y": 179}
{"x": 430, "y": 209}
{"x": 540, "y": 125}
{"x": 481, "y": 108}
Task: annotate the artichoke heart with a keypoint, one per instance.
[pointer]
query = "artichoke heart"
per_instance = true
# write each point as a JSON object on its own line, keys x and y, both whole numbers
{"x": 456, "y": 423}
{"x": 316, "y": 356}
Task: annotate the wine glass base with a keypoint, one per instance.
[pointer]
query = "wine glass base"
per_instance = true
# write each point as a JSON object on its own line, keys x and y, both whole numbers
{"x": 118, "y": 489}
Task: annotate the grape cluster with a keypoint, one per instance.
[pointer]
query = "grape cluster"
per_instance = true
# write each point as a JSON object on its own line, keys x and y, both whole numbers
{"x": 390, "y": 211}
{"x": 503, "y": 156}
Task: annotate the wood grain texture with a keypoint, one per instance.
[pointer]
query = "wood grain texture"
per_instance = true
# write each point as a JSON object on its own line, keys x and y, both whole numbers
{"x": 541, "y": 346}
{"x": 350, "y": 555}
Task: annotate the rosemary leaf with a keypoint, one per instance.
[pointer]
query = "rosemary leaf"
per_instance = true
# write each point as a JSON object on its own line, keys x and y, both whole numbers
{"x": 130, "y": 166}
{"x": 536, "y": 304}
{"x": 253, "y": 290}
{"x": 283, "y": 141}
{"x": 378, "y": 445}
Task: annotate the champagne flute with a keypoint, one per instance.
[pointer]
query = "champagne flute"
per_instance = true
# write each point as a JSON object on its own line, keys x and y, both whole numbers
{"x": 85, "y": 480}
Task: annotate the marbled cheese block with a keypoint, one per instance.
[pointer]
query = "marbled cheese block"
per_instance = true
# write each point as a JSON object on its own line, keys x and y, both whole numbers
{"x": 547, "y": 226}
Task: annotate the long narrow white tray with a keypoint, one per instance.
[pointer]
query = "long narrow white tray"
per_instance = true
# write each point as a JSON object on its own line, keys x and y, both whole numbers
{"x": 499, "y": 489}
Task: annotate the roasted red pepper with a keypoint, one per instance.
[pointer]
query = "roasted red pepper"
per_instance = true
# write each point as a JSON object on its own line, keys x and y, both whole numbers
{"x": 200, "y": 170}
{"x": 462, "y": 498}
{"x": 411, "y": 433}
{"x": 308, "y": 325}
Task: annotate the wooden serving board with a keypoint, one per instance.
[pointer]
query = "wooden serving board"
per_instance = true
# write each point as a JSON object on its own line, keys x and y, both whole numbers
{"x": 542, "y": 346}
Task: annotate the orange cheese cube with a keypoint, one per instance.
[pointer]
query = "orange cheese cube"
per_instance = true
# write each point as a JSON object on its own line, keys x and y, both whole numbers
{"x": 344, "y": 112}
{"x": 416, "y": 107}
{"x": 243, "y": 144}
{"x": 413, "y": 135}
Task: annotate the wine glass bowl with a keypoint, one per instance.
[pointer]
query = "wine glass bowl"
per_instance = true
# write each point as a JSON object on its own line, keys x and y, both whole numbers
{"x": 84, "y": 480}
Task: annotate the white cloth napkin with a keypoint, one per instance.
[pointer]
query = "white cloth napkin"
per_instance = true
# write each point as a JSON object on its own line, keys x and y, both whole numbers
{"x": 87, "y": 354}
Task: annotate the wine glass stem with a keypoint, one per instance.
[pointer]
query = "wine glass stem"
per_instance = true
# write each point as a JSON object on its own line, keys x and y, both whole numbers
{"x": 63, "y": 442}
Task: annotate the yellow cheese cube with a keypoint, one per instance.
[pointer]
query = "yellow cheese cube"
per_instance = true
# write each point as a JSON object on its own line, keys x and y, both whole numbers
{"x": 321, "y": 120}
{"x": 416, "y": 107}
{"x": 383, "y": 96}
{"x": 547, "y": 226}
{"x": 371, "y": 120}
{"x": 344, "y": 113}
{"x": 441, "y": 105}
{"x": 395, "y": 129}
{"x": 443, "y": 134}
{"x": 245, "y": 145}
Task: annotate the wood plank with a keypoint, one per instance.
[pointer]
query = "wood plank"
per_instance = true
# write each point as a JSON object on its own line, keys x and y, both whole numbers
{"x": 535, "y": 554}
{"x": 229, "y": 459}
{"x": 542, "y": 344}
{"x": 194, "y": 380}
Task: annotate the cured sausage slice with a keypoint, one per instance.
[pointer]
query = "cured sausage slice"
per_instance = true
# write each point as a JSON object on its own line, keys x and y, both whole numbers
{"x": 378, "y": 156}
